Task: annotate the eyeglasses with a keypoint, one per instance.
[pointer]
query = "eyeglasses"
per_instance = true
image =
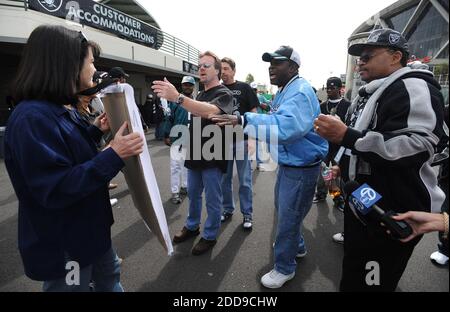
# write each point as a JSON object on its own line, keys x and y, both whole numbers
{"x": 82, "y": 37}
{"x": 366, "y": 57}
{"x": 279, "y": 61}
{"x": 205, "y": 65}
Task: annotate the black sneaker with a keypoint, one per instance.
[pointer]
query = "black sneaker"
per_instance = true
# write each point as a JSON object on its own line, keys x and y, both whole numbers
{"x": 203, "y": 246}
{"x": 339, "y": 204}
{"x": 248, "y": 223}
{"x": 319, "y": 198}
{"x": 184, "y": 235}
{"x": 183, "y": 191}
{"x": 226, "y": 216}
{"x": 340, "y": 207}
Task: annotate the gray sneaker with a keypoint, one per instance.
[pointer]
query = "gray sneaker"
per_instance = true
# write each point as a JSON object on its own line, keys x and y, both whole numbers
{"x": 176, "y": 198}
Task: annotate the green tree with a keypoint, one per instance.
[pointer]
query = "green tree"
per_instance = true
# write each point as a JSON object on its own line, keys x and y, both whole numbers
{"x": 249, "y": 78}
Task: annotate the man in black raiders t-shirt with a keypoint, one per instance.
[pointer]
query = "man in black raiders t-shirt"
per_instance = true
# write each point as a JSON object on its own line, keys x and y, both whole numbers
{"x": 246, "y": 101}
{"x": 334, "y": 105}
{"x": 205, "y": 171}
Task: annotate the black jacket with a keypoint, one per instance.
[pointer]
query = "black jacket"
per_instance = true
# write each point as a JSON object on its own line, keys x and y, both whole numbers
{"x": 400, "y": 144}
{"x": 341, "y": 111}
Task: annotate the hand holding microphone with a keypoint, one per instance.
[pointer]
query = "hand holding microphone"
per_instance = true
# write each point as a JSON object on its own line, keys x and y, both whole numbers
{"x": 363, "y": 199}
{"x": 424, "y": 222}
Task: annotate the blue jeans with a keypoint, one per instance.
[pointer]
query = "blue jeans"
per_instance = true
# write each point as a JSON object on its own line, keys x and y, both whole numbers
{"x": 104, "y": 273}
{"x": 244, "y": 171}
{"x": 262, "y": 149}
{"x": 258, "y": 147}
{"x": 294, "y": 191}
{"x": 210, "y": 181}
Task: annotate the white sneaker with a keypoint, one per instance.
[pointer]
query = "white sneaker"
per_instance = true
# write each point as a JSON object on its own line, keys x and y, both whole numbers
{"x": 301, "y": 254}
{"x": 275, "y": 279}
{"x": 338, "y": 238}
{"x": 248, "y": 223}
{"x": 261, "y": 167}
{"x": 439, "y": 258}
{"x": 113, "y": 201}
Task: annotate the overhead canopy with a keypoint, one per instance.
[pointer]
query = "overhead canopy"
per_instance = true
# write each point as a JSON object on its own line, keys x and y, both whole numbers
{"x": 132, "y": 8}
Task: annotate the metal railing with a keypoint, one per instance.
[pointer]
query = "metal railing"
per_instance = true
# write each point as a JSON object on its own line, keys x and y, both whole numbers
{"x": 177, "y": 47}
{"x": 165, "y": 42}
{"x": 442, "y": 79}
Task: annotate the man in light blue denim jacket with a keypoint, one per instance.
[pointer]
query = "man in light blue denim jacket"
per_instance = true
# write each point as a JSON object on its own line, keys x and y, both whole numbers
{"x": 299, "y": 151}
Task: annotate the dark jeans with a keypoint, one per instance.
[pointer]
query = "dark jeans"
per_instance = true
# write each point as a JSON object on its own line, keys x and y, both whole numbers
{"x": 159, "y": 131}
{"x": 362, "y": 247}
{"x": 443, "y": 245}
{"x": 321, "y": 188}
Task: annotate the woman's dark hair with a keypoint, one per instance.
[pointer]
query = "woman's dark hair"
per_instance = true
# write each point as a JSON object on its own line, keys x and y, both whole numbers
{"x": 50, "y": 65}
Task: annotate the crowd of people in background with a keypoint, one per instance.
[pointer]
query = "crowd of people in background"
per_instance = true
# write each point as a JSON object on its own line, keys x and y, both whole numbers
{"x": 61, "y": 156}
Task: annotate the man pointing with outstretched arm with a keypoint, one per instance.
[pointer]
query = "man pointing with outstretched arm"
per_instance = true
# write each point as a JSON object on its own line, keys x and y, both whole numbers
{"x": 203, "y": 172}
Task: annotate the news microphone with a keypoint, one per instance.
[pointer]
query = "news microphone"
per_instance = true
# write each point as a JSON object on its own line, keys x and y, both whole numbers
{"x": 364, "y": 198}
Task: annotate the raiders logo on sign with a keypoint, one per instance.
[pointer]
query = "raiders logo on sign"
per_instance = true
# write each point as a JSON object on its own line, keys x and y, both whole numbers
{"x": 51, "y": 5}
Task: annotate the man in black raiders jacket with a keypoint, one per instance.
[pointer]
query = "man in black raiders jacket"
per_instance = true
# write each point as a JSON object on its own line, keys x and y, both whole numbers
{"x": 389, "y": 139}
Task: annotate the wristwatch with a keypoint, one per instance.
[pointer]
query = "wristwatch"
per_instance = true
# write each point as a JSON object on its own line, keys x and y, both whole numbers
{"x": 238, "y": 115}
{"x": 180, "y": 99}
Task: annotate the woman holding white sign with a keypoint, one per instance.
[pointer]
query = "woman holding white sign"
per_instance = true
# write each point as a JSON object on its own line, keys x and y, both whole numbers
{"x": 60, "y": 178}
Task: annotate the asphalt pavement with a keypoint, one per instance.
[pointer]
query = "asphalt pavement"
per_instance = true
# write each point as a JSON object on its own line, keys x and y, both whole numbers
{"x": 239, "y": 258}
